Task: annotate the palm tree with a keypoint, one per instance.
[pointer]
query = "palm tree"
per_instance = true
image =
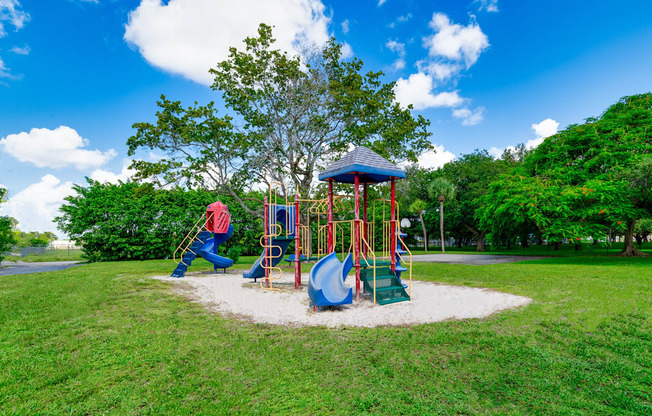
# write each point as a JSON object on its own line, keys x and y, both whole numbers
{"x": 418, "y": 207}
{"x": 442, "y": 189}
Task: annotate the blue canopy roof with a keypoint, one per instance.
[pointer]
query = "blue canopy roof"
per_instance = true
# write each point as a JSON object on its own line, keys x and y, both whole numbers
{"x": 372, "y": 168}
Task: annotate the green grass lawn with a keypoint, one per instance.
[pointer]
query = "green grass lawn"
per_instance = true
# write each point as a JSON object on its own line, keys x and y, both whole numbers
{"x": 104, "y": 338}
{"x": 50, "y": 255}
{"x": 565, "y": 250}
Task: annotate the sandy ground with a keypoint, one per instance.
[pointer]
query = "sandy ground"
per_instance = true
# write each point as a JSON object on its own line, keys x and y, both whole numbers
{"x": 232, "y": 295}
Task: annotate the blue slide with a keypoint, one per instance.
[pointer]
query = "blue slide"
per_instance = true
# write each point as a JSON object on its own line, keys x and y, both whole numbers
{"x": 279, "y": 245}
{"x": 204, "y": 245}
{"x": 208, "y": 250}
{"x": 326, "y": 285}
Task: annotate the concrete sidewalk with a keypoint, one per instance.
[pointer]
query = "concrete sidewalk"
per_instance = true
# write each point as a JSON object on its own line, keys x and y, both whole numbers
{"x": 9, "y": 268}
{"x": 471, "y": 259}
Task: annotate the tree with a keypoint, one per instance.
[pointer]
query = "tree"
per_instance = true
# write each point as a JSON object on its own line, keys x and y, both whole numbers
{"x": 584, "y": 181}
{"x": 6, "y": 234}
{"x": 130, "y": 221}
{"x": 442, "y": 190}
{"x": 418, "y": 207}
{"x": 294, "y": 115}
{"x": 471, "y": 175}
{"x": 643, "y": 230}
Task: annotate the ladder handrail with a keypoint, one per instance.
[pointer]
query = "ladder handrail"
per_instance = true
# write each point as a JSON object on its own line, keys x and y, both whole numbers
{"x": 196, "y": 231}
{"x": 370, "y": 251}
{"x": 403, "y": 262}
{"x": 267, "y": 256}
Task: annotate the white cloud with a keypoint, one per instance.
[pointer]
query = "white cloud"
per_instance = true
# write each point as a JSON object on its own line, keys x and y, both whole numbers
{"x": 398, "y": 64}
{"x": 25, "y": 50}
{"x": 10, "y": 12}
{"x": 381, "y": 2}
{"x": 400, "y": 19}
{"x": 469, "y": 117}
{"x": 56, "y": 148}
{"x": 36, "y": 206}
{"x": 4, "y": 71}
{"x": 435, "y": 159}
{"x": 188, "y": 37}
{"x": 345, "y": 26}
{"x": 454, "y": 41}
{"x": 441, "y": 71}
{"x": 497, "y": 152}
{"x": 347, "y": 51}
{"x": 103, "y": 175}
{"x": 398, "y": 48}
{"x": 487, "y": 5}
{"x": 546, "y": 128}
{"x": 417, "y": 90}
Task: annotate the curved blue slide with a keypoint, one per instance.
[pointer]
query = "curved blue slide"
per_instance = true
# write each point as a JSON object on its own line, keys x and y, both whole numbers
{"x": 279, "y": 245}
{"x": 326, "y": 284}
{"x": 208, "y": 250}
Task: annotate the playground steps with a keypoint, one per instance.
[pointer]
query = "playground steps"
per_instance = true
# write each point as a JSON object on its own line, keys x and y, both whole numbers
{"x": 388, "y": 287}
{"x": 189, "y": 255}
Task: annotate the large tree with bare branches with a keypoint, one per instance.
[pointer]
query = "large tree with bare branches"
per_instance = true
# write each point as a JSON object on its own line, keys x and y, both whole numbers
{"x": 290, "y": 116}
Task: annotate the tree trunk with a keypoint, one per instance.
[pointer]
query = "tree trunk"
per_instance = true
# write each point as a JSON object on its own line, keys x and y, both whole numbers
{"x": 630, "y": 250}
{"x": 479, "y": 242}
{"x": 479, "y": 237}
{"x": 425, "y": 235}
{"x": 441, "y": 223}
{"x": 557, "y": 245}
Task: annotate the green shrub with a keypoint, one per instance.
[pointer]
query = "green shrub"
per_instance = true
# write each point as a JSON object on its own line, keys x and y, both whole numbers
{"x": 234, "y": 253}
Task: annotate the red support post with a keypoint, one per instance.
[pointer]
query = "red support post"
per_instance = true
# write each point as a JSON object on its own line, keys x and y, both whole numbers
{"x": 356, "y": 245}
{"x": 266, "y": 242}
{"x": 392, "y": 224}
{"x": 330, "y": 247}
{"x": 365, "y": 231}
{"x": 297, "y": 243}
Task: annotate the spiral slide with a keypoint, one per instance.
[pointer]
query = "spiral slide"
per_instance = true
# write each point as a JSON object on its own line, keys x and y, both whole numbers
{"x": 208, "y": 250}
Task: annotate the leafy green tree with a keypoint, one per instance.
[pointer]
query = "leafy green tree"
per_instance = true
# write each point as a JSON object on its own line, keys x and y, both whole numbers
{"x": 643, "y": 230}
{"x": 294, "y": 114}
{"x": 442, "y": 190}
{"x": 418, "y": 207}
{"x": 471, "y": 175}
{"x": 584, "y": 181}
{"x": 137, "y": 221}
{"x": 39, "y": 242}
{"x": 6, "y": 234}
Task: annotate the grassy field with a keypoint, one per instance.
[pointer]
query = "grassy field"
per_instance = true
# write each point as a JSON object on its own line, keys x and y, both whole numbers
{"x": 50, "y": 255}
{"x": 104, "y": 338}
{"x": 565, "y": 250}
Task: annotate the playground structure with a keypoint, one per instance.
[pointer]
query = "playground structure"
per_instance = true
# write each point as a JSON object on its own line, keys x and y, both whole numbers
{"x": 317, "y": 240}
{"x": 316, "y": 233}
{"x": 210, "y": 230}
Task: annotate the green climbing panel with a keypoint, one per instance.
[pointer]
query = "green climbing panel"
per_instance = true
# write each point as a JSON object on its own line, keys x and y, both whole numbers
{"x": 388, "y": 287}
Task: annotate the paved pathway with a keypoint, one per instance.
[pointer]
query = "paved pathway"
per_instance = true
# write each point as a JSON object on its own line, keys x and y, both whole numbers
{"x": 471, "y": 259}
{"x": 9, "y": 268}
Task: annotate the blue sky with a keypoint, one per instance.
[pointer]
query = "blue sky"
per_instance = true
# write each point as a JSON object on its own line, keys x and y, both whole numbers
{"x": 75, "y": 75}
